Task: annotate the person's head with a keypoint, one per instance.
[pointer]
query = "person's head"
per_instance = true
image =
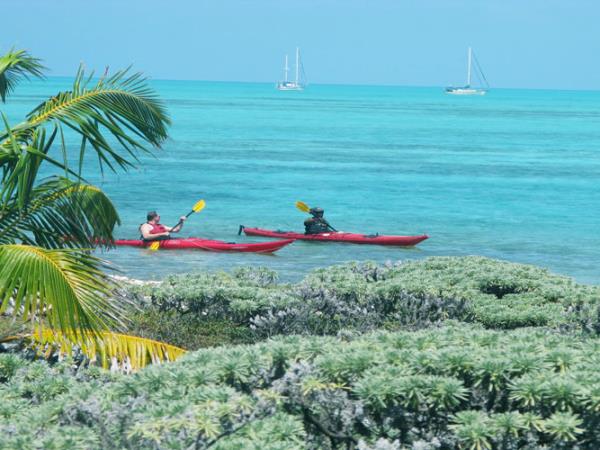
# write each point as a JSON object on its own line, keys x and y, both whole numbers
{"x": 152, "y": 216}
{"x": 317, "y": 212}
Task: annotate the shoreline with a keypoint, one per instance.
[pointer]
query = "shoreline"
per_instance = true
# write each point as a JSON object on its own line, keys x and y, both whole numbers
{"x": 136, "y": 281}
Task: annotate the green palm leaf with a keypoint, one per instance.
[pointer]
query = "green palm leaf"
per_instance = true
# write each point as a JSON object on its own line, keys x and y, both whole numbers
{"x": 61, "y": 214}
{"x": 65, "y": 288}
{"x": 122, "y": 105}
{"x": 21, "y": 156}
{"x": 14, "y": 66}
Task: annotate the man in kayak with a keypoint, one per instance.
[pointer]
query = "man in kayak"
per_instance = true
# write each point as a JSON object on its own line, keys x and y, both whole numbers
{"x": 317, "y": 223}
{"x": 152, "y": 230}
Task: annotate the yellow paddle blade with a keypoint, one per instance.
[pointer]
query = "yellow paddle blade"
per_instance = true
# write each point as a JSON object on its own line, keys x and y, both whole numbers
{"x": 302, "y": 206}
{"x": 154, "y": 246}
{"x": 199, "y": 206}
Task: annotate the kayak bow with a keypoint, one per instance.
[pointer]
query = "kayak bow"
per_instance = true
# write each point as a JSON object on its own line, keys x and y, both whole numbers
{"x": 340, "y": 236}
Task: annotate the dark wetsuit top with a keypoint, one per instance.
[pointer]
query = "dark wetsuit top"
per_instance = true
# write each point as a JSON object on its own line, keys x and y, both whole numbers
{"x": 315, "y": 225}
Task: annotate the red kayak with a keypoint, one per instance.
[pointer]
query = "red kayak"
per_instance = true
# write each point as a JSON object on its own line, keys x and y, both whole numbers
{"x": 210, "y": 245}
{"x": 339, "y": 236}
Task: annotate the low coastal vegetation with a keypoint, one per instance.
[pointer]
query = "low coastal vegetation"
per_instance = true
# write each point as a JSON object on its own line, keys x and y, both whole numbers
{"x": 444, "y": 353}
{"x": 448, "y": 387}
{"x": 249, "y": 305}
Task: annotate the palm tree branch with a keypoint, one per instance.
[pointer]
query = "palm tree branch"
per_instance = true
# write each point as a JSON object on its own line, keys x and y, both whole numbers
{"x": 25, "y": 167}
{"x": 62, "y": 213}
{"x": 15, "y": 65}
{"x": 66, "y": 287}
{"x": 74, "y": 101}
{"x": 122, "y": 106}
{"x": 129, "y": 98}
{"x": 130, "y": 351}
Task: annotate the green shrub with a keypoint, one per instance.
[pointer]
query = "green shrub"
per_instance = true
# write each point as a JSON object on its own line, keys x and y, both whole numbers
{"x": 186, "y": 330}
{"x": 200, "y": 310}
{"x": 503, "y": 294}
{"x": 456, "y": 386}
{"x": 477, "y": 353}
{"x": 9, "y": 364}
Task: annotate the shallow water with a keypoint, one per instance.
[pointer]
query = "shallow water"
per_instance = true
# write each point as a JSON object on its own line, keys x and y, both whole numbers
{"x": 513, "y": 175}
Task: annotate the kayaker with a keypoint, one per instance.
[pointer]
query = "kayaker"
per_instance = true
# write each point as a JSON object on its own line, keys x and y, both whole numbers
{"x": 317, "y": 223}
{"x": 152, "y": 230}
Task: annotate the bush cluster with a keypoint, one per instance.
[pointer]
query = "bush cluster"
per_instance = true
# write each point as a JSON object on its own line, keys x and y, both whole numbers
{"x": 456, "y": 386}
{"x": 516, "y": 376}
{"x": 249, "y": 304}
{"x": 503, "y": 294}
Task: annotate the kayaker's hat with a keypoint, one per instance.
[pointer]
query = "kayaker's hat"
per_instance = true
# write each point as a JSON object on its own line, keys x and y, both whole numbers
{"x": 317, "y": 211}
{"x": 151, "y": 215}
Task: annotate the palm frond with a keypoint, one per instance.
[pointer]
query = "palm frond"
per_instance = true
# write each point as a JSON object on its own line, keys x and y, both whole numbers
{"x": 61, "y": 213}
{"x": 122, "y": 106}
{"x": 21, "y": 160}
{"x": 111, "y": 350}
{"x": 67, "y": 288}
{"x": 14, "y": 66}
{"x": 10, "y": 146}
{"x": 21, "y": 156}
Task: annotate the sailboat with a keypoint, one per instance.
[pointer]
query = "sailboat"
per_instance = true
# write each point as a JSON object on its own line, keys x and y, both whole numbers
{"x": 467, "y": 89}
{"x": 297, "y": 84}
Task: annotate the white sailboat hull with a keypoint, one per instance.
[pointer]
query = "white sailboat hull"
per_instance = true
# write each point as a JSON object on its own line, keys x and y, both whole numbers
{"x": 463, "y": 91}
{"x": 289, "y": 86}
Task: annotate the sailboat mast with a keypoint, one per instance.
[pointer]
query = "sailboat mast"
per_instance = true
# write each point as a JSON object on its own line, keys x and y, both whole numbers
{"x": 469, "y": 69}
{"x": 297, "y": 64}
{"x": 286, "y": 69}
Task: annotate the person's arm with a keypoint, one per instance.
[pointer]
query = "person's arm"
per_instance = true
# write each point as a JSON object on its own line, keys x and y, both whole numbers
{"x": 324, "y": 221}
{"x": 179, "y": 226}
{"x": 146, "y": 229}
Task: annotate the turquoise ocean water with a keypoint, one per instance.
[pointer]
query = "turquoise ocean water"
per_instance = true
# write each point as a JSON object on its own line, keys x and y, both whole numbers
{"x": 513, "y": 175}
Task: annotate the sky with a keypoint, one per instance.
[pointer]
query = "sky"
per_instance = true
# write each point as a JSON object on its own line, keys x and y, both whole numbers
{"x": 542, "y": 44}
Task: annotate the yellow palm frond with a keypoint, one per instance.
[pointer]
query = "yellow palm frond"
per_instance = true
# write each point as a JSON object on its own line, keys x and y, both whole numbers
{"x": 109, "y": 349}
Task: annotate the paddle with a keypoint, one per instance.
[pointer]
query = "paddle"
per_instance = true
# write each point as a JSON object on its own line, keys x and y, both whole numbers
{"x": 199, "y": 206}
{"x": 305, "y": 208}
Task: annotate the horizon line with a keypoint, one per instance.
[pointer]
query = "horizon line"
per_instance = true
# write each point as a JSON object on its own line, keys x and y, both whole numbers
{"x": 188, "y": 80}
